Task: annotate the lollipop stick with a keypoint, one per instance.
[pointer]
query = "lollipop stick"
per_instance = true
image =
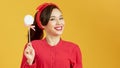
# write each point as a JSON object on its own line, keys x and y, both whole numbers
{"x": 29, "y": 34}
{"x": 28, "y": 20}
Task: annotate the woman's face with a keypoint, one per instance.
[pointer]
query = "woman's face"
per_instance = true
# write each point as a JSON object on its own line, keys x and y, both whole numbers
{"x": 55, "y": 24}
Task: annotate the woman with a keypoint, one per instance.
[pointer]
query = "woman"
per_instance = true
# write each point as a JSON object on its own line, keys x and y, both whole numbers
{"x": 51, "y": 51}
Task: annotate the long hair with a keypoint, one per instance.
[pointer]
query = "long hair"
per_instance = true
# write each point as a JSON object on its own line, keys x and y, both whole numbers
{"x": 44, "y": 17}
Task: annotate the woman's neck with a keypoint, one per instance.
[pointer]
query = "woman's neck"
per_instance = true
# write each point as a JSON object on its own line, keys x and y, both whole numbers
{"x": 52, "y": 40}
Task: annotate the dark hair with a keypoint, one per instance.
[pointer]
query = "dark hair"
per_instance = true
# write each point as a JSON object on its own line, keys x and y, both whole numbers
{"x": 44, "y": 17}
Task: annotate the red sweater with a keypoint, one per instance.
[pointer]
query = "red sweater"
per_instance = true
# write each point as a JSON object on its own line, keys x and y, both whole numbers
{"x": 64, "y": 55}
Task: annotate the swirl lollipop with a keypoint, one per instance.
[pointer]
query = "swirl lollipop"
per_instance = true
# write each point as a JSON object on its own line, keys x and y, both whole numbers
{"x": 28, "y": 21}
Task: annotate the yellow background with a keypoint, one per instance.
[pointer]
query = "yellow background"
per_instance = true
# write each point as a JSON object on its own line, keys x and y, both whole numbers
{"x": 93, "y": 24}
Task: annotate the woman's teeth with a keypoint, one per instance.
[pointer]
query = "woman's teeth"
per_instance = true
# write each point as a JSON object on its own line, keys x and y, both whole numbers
{"x": 58, "y": 28}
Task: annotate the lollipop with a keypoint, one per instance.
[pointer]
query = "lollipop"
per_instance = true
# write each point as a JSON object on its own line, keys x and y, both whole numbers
{"x": 28, "y": 21}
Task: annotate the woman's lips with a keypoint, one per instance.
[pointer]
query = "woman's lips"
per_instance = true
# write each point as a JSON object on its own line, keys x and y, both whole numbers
{"x": 59, "y": 28}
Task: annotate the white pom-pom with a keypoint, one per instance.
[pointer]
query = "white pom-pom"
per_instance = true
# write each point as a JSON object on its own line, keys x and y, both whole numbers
{"x": 28, "y": 20}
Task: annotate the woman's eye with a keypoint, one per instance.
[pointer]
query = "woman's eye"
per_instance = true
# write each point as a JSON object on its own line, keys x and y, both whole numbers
{"x": 52, "y": 19}
{"x": 61, "y": 18}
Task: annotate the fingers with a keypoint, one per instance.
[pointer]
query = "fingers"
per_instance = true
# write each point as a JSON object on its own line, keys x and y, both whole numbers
{"x": 30, "y": 44}
{"x": 29, "y": 53}
{"x": 29, "y": 50}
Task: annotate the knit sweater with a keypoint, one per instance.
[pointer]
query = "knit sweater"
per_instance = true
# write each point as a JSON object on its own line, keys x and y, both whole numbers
{"x": 63, "y": 55}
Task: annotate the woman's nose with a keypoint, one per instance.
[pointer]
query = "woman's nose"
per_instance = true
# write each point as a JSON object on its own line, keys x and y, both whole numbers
{"x": 57, "y": 21}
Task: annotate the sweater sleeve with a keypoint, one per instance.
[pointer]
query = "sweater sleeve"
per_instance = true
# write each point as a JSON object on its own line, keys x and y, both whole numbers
{"x": 76, "y": 58}
{"x": 24, "y": 63}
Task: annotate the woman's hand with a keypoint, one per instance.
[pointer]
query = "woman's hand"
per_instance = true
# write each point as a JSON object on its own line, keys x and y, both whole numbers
{"x": 29, "y": 53}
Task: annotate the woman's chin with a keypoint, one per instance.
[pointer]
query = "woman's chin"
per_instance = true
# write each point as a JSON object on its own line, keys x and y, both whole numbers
{"x": 58, "y": 34}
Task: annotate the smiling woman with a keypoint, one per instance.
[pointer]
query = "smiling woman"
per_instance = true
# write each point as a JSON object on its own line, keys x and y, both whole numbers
{"x": 51, "y": 51}
{"x": 55, "y": 25}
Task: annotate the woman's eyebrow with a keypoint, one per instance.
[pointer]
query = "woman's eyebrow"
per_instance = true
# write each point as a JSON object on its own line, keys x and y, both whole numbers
{"x": 59, "y": 16}
{"x": 52, "y": 16}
